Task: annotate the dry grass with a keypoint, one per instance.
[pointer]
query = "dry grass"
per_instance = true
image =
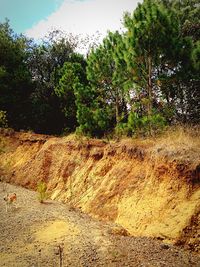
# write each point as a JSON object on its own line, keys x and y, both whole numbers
{"x": 182, "y": 142}
{"x": 179, "y": 142}
{"x": 182, "y": 136}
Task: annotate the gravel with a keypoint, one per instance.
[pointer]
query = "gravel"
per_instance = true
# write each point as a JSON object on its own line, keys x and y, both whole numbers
{"x": 52, "y": 234}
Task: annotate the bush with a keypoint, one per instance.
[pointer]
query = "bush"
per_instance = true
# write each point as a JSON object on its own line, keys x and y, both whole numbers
{"x": 158, "y": 123}
{"x": 121, "y": 130}
{"x": 144, "y": 125}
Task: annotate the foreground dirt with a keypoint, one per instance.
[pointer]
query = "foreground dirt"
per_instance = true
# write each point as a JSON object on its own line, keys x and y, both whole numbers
{"x": 33, "y": 234}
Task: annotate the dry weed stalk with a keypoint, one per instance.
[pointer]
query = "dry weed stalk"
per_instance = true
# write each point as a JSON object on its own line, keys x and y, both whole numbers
{"x": 4, "y": 184}
{"x": 59, "y": 252}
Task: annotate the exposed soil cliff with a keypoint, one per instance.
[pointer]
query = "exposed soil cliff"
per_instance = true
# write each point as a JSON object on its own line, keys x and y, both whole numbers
{"x": 151, "y": 188}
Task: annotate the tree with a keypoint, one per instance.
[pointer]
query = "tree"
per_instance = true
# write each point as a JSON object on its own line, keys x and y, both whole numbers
{"x": 71, "y": 74}
{"x": 151, "y": 43}
{"x": 15, "y": 78}
{"x": 86, "y": 108}
{"x": 106, "y": 74}
{"x": 185, "y": 80}
{"x": 188, "y": 13}
{"x": 45, "y": 62}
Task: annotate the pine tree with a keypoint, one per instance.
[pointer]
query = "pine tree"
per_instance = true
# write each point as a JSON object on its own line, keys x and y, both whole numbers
{"x": 70, "y": 74}
{"x": 150, "y": 42}
{"x": 105, "y": 73}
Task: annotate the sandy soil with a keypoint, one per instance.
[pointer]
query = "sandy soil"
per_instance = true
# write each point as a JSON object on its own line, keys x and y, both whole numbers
{"x": 52, "y": 234}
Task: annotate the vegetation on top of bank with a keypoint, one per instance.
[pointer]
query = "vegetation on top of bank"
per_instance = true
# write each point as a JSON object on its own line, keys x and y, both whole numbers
{"x": 133, "y": 83}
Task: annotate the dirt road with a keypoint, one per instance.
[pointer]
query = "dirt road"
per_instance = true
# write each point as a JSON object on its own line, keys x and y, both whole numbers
{"x": 52, "y": 234}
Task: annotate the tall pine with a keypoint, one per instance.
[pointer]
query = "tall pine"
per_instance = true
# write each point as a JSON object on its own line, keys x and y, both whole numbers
{"x": 150, "y": 42}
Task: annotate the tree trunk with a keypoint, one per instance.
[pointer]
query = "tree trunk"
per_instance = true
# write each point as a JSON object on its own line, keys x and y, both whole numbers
{"x": 117, "y": 109}
{"x": 149, "y": 92}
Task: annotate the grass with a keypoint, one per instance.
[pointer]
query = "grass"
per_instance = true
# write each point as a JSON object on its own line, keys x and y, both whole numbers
{"x": 182, "y": 142}
{"x": 174, "y": 140}
{"x": 176, "y": 143}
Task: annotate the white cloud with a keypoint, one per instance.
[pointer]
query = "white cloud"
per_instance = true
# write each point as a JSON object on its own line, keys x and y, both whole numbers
{"x": 84, "y": 17}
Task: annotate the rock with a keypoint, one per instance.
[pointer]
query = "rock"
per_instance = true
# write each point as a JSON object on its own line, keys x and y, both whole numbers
{"x": 165, "y": 246}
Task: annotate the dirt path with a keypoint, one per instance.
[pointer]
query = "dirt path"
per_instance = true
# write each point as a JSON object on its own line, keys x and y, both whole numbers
{"x": 33, "y": 234}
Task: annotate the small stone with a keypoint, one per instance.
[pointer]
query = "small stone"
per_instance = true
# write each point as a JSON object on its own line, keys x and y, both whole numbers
{"x": 165, "y": 246}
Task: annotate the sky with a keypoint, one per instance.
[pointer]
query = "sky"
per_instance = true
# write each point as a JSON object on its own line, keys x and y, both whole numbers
{"x": 35, "y": 18}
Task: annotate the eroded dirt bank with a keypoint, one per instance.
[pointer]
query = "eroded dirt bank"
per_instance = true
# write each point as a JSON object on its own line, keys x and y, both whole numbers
{"x": 151, "y": 189}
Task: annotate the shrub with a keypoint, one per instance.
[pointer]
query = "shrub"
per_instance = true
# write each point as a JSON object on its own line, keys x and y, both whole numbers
{"x": 141, "y": 125}
{"x": 121, "y": 129}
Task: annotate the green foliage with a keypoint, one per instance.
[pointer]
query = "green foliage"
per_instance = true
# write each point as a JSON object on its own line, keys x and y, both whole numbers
{"x": 146, "y": 50}
{"x": 106, "y": 73}
{"x": 157, "y": 123}
{"x": 182, "y": 90}
{"x": 46, "y": 63}
{"x": 15, "y": 79}
{"x": 101, "y": 102}
{"x": 137, "y": 126}
{"x": 133, "y": 83}
{"x": 121, "y": 130}
{"x": 71, "y": 74}
{"x": 3, "y": 119}
{"x": 41, "y": 189}
{"x": 196, "y": 56}
{"x": 93, "y": 120}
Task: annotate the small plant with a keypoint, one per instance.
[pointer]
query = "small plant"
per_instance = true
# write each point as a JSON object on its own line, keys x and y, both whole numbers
{"x": 41, "y": 189}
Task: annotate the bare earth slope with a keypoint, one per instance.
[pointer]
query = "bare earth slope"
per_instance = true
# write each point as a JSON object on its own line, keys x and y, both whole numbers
{"x": 151, "y": 187}
{"x": 31, "y": 234}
